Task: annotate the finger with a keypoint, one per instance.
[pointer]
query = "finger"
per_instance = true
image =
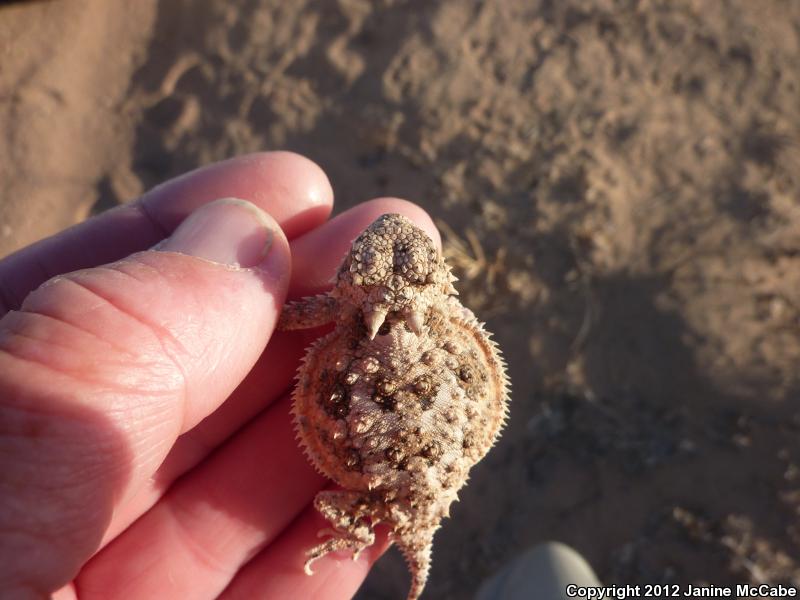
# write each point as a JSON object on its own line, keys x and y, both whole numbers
{"x": 103, "y": 368}
{"x": 277, "y": 572}
{"x": 317, "y": 255}
{"x": 191, "y": 544}
{"x": 288, "y": 186}
{"x": 275, "y": 370}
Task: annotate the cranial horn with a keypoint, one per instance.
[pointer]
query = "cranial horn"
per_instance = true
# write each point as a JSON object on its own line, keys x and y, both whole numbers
{"x": 374, "y": 319}
{"x": 415, "y": 320}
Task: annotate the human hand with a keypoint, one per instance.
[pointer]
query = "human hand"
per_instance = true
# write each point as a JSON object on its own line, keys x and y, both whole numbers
{"x": 146, "y": 446}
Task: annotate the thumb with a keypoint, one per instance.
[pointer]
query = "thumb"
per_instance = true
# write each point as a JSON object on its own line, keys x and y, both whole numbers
{"x": 102, "y": 369}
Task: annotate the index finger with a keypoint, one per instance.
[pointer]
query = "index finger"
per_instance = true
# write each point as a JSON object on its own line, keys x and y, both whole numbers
{"x": 290, "y": 187}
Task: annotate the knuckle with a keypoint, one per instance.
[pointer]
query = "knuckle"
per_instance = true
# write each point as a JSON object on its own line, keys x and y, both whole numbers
{"x": 85, "y": 325}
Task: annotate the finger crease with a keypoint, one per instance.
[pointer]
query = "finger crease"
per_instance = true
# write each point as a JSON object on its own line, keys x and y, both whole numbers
{"x": 8, "y": 301}
{"x": 113, "y": 343}
{"x": 171, "y": 347}
{"x": 35, "y": 359}
{"x": 195, "y": 547}
{"x": 154, "y": 223}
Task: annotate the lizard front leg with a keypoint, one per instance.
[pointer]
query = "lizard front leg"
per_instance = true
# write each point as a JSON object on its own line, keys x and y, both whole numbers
{"x": 308, "y": 312}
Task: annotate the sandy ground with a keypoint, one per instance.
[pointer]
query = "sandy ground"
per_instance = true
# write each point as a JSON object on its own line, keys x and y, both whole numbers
{"x": 618, "y": 186}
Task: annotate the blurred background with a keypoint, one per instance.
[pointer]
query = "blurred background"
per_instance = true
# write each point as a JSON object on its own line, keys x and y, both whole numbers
{"x": 618, "y": 186}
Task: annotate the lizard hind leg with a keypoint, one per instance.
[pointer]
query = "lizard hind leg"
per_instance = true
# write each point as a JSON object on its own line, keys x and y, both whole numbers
{"x": 351, "y": 516}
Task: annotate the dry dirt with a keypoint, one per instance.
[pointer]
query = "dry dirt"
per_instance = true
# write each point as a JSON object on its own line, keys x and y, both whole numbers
{"x": 618, "y": 184}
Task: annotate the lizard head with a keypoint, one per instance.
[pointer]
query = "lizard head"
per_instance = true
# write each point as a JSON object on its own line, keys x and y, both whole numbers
{"x": 394, "y": 269}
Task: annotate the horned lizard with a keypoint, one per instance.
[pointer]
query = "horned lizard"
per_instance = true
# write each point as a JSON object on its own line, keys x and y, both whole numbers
{"x": 400, "y": 400}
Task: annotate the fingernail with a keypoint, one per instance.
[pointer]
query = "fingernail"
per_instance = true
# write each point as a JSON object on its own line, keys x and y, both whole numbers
{"x": 228, "y": 231}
